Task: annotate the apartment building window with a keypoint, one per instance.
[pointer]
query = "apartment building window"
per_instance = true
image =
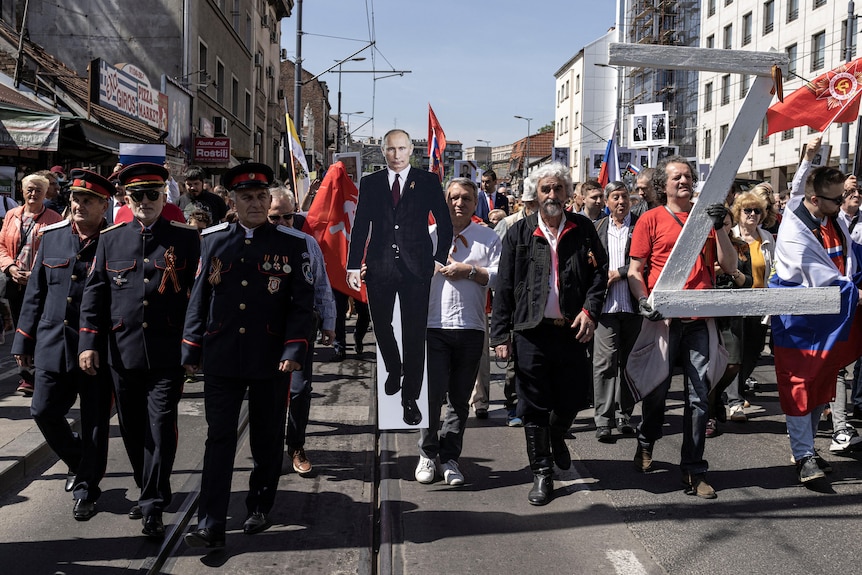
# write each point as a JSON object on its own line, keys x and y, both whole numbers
{"x": 577, "y": 122}
{"x": 707, "y": 97}
{"x": 234, "y": 97}
{"x": 247, "y": 110}
{"x": 763, "y": 139}
{"x": 787, "y": 134}
{"x": 235, "y": 16}
{"x": 575, "y": 159}
{"x": 248, "y": 30}
{"x": 567, "y": 89}
{"x": 792, "y": 53}
{"x": 844, "y": 40}
{"x": 818, "y": 50}
{"x": 559, "y": 97}
{"x": 722, "y": 134}
{"x": 202, "y": 65}
{"x": 711, "y": 8}
{"x": 768, "y": 16}
{"x": 707, "y": 144}
{"x": 725, "y": 89}
{"x": 744, "y": 85}
{"x": 792, "y": 10}
{"x": 220, "y": 83}
{"x": 746, "y": 29}
{"x": 819, "y": 3}
{"x": 728, "y": 37}
{"x": 578, "y": 84}
{"x": 728, "y": 2}
{"x": 710, "y": 41}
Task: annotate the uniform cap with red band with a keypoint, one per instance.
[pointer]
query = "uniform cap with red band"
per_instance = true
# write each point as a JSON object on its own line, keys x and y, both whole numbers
{"x": 249, "y": 175}
{"x": 143, "y": 175}
{"x": 89, "y": 182}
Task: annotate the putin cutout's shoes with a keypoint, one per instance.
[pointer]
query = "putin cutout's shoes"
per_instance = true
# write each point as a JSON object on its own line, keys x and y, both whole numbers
{"x": 412, "y": 415}
{"x": 83, "y": 510}
{"x": 425, "y": 470}
{"x": 153, "y": 526}
{"x": 301, "y": 464}
{"x": 393, "y": 382}
{"x": 451, "y": 473}
{"x": 206, "y": 538}
{"x": 255, "y": 523}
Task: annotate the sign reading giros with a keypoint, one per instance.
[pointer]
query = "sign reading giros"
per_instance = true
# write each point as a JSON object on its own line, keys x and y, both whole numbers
{"x": 212, "y": 150}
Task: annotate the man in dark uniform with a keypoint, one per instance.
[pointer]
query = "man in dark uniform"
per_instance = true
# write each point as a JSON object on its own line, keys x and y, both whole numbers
{"x": 247, "y": 326}
{"x": 400, "y": 260}
{"x": 48, "y": 332}
{"x": 135, "y": 299}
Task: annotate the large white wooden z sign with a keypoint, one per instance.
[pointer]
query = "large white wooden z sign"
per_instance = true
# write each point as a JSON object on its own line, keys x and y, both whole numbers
{"x": 668, "y": 297}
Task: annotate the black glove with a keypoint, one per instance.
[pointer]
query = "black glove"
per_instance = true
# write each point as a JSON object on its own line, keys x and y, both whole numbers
{"x": 717, "y": 212}
{"x": 646, "y": 310}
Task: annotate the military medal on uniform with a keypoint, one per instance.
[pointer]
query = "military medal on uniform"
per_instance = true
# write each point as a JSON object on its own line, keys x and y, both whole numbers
{"x": 215, "y": 275}
{"x": 266, "y": 265}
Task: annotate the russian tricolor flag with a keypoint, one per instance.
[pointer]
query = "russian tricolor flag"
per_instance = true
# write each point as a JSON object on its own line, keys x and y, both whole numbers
{"x": 134, "y": 153}
{"x": 436, "y": 144}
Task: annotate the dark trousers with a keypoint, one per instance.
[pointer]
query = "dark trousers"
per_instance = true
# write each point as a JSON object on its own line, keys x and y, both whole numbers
{"x": 299, "y": 405}
{"x": 552, "y": 374}
{"x": 87, "y": 454}
{"x": 363, "y": 320}
{"x": 453, "y": 361}
{"x": 413, "y": 297}
{"x": 613, "y": 340}
{"x": 15, "y": 295}
{"x": 267, "y": 399}
{"x": 147, "y": 408}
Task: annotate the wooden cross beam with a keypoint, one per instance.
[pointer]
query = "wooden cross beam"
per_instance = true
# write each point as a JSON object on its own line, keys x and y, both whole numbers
{"x": 668, "y": 296}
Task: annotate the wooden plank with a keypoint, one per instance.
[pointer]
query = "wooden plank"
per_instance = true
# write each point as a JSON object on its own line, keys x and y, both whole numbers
{"x": 698, "y": 224}
{"x": 747, "y": 302}
{"x": 702, "y": 59}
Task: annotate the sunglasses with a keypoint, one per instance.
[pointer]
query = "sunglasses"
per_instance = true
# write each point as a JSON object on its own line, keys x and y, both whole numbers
{"x": 838, "y": 201}
{"x": 756, "y": 211}
{"x": 138, "y": 195}
{"x": 278, "y": 217}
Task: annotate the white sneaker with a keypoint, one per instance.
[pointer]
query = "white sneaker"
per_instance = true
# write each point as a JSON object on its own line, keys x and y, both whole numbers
{"x": 451, "y": 474}
{"x": 845, "y": 440}
{"x": 426, "y": 471}
{"x": 737, "y": 413}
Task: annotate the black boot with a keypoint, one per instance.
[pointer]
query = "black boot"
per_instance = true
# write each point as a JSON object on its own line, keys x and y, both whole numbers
{"x": 558, "y": 429}
{"x": 541, "y": 464}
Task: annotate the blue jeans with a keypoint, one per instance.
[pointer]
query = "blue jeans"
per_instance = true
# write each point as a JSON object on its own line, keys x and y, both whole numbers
{"x": 802, "y": 429}
{"x": 688, "y": 340}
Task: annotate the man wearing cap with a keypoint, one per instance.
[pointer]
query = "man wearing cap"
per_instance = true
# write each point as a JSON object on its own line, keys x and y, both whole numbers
{"x": 247, "y": 327}
{"x": 47, "y": 336}
{"x": 135, "y": 299}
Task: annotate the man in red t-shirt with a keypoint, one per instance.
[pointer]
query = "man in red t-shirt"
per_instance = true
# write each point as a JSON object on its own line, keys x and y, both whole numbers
{"x": 652, "y": 241}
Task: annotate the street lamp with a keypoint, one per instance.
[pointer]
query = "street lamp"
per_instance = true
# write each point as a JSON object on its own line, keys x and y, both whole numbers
{"x": 487, "y": 142}
{"x": 338, "y": 128}
{"x": 527, "y": 155}
{"x": 347, "y": 132}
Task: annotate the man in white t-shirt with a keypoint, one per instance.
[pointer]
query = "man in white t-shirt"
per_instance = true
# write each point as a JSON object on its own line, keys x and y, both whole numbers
{"x": 456, "y": 333}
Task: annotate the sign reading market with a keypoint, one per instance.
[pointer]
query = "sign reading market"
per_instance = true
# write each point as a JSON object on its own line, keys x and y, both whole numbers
{"x": 126, "y": 89}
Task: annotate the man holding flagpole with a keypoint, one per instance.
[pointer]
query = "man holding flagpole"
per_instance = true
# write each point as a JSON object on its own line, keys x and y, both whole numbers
{"x": 392, "y": 217}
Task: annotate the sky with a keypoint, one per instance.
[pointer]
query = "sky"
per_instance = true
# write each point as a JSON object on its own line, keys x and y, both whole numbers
{"x": 477, "y": 62}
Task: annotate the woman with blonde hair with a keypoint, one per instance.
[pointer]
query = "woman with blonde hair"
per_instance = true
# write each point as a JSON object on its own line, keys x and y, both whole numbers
{"x": 19, "y": 241}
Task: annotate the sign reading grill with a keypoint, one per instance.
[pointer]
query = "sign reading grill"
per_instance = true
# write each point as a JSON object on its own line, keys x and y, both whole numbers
{"x": 212, "y": 150}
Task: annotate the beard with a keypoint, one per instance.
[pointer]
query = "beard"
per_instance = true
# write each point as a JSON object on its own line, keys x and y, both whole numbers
{"x": 552, "y": 208}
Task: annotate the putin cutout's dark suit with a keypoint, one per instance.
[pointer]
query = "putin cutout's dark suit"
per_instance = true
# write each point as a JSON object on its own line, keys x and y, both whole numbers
{"x": 400, "y": 261}
{"x": 135, "y": 302}
{"x": 48, "y": 331}
{"x": 252, "y": 307}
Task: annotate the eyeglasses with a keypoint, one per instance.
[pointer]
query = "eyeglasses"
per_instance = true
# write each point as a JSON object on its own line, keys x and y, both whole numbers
{"x": 138, "y": 195}
{"x": 756, "y": 211}
{"x": 548, "y": 189}
{"x": 278, "y": 217}
{"x": 838, "y": 201}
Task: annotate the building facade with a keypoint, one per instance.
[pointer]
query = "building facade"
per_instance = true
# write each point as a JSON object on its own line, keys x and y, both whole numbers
{"x": 812, "y": 33}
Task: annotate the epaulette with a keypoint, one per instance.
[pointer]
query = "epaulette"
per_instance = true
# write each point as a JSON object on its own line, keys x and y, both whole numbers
{"x": 216, "y": 228}
{"x": 177, "y": 224}
{"x": 115, "y": 226}
{"x": 56, "y": 226}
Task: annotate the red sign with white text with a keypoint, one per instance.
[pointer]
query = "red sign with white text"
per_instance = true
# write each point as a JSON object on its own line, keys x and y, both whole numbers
{"x": 212, "y": 150}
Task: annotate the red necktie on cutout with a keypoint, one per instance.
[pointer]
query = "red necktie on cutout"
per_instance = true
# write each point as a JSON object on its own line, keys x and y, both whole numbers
{"x": 396, "y": 190}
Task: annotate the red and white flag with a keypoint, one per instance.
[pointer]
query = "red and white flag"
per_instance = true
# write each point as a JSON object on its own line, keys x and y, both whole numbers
{"x": 831, "y": 97}
{"x": 436, "y": 144}
{"x": 330, "y": 221}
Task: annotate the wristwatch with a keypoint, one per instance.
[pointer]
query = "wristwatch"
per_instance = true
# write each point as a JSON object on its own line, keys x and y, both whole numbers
{"x": 472, "y": 273}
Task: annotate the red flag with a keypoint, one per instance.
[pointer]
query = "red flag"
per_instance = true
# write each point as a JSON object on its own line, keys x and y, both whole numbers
{"x": 831, "y": 97}
{"x": 610, "y": 170}
{"x": 436, "y": 144}
{"x": 330, "y": 221}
